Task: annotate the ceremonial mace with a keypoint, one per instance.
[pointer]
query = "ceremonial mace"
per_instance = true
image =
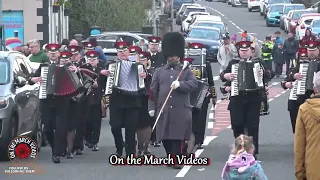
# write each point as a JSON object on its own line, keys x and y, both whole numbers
{"x": 185, "y": 65}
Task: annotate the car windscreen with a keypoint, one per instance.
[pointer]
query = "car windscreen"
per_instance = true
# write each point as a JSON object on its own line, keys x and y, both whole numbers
{"x": 106, "y": 44}
{"x": 298, "y": 14}
{"x": 289, "y": 8}
{"x": 279, "y": 1}
{"x": 316, "y": 23}
{"x": 188, "y": 10}
{"x": 4, "y": 71}
{"x": 215, "y": 25}
{"x": 276, "y": 8}
{"x": 204, "y": 34}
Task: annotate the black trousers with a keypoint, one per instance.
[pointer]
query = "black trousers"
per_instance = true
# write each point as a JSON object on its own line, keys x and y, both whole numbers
{"x": 93, "y": 124}
{"x": 174, "y": 147}
{"x": 246, "y": 116}
{"x": 265, "y": 103}
{"x": 55, "y": 124}
{"x": 199, "y": 119}
{"x": 293, "y": 118}
{"x": 129, "y": 118}
{"x": 82, "y": 114}
{"x": 154, "y": 132}
{"x": 278, "y": 68}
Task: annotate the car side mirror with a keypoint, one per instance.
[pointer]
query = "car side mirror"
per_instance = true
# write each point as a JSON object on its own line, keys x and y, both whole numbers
{"x": 20, "y": 81}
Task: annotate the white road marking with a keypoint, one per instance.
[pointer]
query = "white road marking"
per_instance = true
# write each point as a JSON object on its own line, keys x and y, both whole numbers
{"x": 270, "y": 100}
{"x": 231, "y": 22}
{"x": 210, "y": 125}
{"x": 211, "y": 116}
{"x": 229, "y": 127}
{"x": 185, "y": 169}
{"x": 208, "y": 139}
{"x": 216, "y": 78}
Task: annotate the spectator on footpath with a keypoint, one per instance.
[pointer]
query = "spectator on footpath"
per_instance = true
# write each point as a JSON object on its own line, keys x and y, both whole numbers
{"x": 38, "y": 55}
{"x": 279, "y": 59}
{"x": 241, "y": 163}
{"x": 266, "y": 50}
{"x": 226, "y": 53}
{"x": 306, "y": 138}
{"x": 64, "y": 45}
{"x": 290, "y": 47}
{"x": 98, "y": 49}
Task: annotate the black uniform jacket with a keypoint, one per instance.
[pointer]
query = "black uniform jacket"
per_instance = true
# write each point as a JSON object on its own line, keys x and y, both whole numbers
{"x": 209, "y": 76}
{"x": 96, "y": 94}
{"x": 119, "y": 99}
{"x": 251, "y": 96}
{"x": 157, "y": 60}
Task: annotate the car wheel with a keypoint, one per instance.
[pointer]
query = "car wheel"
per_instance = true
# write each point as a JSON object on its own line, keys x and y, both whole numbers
{"x": 265, "y": 16}
{"x": 229, "y": 3}
{"x": 250, "y": 9}
{"x": 12, "y": 133}
{"x": 267, "y": 22}
{"x": 261, "y": 14}
{"x": 181, "y": 29}
{"x": 37, "y": 134}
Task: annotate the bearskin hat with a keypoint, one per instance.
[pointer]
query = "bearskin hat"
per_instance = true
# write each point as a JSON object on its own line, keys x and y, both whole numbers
{"x": 173, "y": 44}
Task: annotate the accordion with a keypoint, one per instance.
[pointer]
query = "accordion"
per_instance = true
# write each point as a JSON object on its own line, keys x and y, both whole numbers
{"x": 88, "y": 78}
{"x": 113, "y": 78}
{"x": 198, "y": 95}
{"x": 59, "y": 81}
{"x": 198, "y": 66}
{"x": 307, "y": 70}
{"x": 247, "y": 77}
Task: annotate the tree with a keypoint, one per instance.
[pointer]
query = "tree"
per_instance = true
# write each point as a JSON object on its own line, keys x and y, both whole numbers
{"x": 109, "y": 15}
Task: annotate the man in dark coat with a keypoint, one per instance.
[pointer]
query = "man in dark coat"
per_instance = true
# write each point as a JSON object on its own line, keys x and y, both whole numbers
{"x": 175, "y": 123}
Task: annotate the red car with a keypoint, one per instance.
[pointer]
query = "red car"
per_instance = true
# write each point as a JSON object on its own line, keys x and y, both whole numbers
{"x": 294, "y": 18}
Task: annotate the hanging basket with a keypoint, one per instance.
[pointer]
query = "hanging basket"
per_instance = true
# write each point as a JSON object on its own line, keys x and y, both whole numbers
{"x": 67, "y": 12}
{"x": 55, "y": 8}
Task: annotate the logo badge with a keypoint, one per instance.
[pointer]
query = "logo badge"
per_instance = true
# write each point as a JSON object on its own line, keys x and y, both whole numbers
{"x": 23, "y": 153}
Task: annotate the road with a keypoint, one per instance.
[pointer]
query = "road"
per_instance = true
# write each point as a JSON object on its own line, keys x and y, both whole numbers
{"x": 276, "y": 139}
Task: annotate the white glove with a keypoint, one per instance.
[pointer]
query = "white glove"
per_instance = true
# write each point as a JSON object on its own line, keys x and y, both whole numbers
{"x": 151, "y": 113}
{"x": 175, "y": 84}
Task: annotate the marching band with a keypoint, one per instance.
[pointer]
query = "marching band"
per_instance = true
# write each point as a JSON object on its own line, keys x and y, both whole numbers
{"x": 152, "y": 94}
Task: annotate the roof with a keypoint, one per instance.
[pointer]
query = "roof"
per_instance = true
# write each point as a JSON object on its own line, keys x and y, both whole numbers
{"x": 5, "y": 54}
{"x": 310, "y": 14}
{"x": 295, "y": 5}
{"x": 206, "y": 27}
{"x": 195, "y": 7}
{"x": 213, "y": 22}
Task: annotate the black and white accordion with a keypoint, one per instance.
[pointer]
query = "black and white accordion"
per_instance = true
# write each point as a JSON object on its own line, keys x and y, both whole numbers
{"x": 58, "y": 80}
{"x": 247, "y": 77}
{"x": 113, "y": 80}
{"x": 198, "y": 95}
{"x": 307, "y": 70}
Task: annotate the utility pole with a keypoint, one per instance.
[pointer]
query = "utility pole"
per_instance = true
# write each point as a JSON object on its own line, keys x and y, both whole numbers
{"x": 154, "y": 24}
{"x": 2, "y": 36}
{"x": 172, "y": 17}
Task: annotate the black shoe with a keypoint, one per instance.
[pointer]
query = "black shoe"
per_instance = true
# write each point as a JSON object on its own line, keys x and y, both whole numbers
{"x": 78, "y": 152}
{"x": 69, "y": 155}
{"x": 177, "y": 166}
{"x": 64, "y": 154}
{"x": 56, "y": 159}
{"x": 90, "y": 145}
{"x": 152, "y": 143}
{"x": 95, "y": 147}
{"x": 147, "y": 152}
{"x": 156, "y": 144}
{"x": 140, "y": 153}
{"x": 119, "y": 152}
{"x": 199, "y": 146}
{"x": 266, "y": 112}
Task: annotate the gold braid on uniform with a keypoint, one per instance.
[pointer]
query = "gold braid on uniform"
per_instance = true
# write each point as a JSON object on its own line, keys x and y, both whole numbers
{"x": 212, "y": 91}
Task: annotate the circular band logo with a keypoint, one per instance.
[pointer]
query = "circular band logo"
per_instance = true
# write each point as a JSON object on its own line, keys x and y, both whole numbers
{"x": 23, "y": 150}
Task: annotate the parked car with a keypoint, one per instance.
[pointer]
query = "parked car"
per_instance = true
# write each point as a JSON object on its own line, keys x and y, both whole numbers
{"x": 181, "y": 10}
{"x": 176, "y": 5}
{"x": 210, "y": 37}
{"x": 304, "y": 23}
{"x": 129, "y": 37}
{"x": 287, "y": 8}
{"x": 273, "y": 15}
{"x": 265, "y": 5}
{"x": 315, "y": 26}
{"x": 235, "y": 3}
{"x": 203, "y": 18}
{"x": 215, "y": 24}
{"x": 190, "y": 9}
{"x": 293, "y": 18}
{"x": 253, "y": 4}
{"x": 19, "y": 102}
{"x": 185, "y": 24}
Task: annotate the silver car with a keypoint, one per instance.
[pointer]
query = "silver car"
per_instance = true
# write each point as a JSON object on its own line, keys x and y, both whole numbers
{"x": 19, "y": 102}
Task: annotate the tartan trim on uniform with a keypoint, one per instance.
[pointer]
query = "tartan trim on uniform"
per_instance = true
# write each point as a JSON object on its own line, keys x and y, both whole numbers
{"x": 212, "y": 91}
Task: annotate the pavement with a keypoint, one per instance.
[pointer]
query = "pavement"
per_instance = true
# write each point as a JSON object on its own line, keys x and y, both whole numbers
{"x": 276, "y": 139}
